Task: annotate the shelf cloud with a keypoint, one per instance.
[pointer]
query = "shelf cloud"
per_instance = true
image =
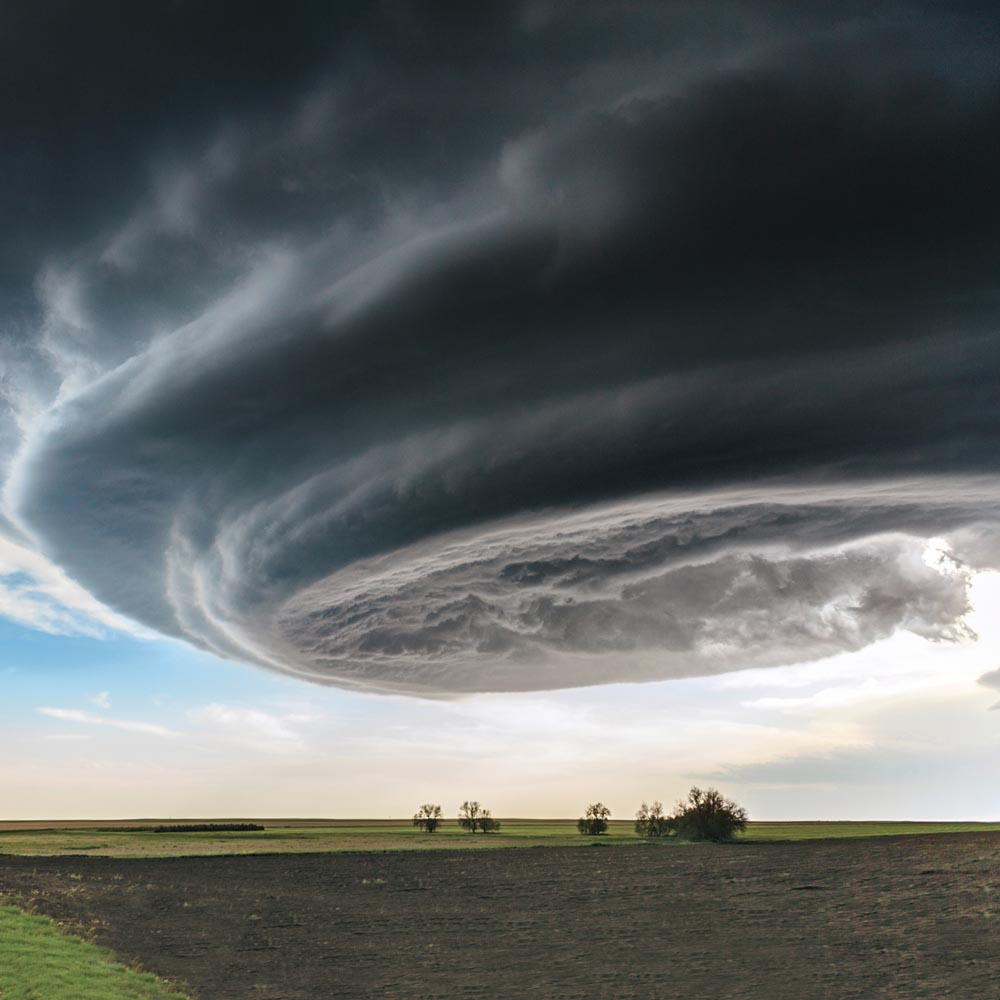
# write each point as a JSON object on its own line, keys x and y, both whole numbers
{"x": 558, "y": 349}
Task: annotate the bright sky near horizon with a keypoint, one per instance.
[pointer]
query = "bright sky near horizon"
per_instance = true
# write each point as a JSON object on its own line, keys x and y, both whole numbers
{"x": 533, "y": 402}
{"x": 131, "y": 727}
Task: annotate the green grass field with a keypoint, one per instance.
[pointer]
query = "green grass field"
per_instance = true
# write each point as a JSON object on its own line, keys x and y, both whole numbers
{"x": 39, "y": 962}
{"x": 68, "y": 839}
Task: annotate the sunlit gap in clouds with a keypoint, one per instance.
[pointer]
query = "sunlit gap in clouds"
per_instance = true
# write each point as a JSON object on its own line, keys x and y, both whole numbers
{"x": 896, "y": 667}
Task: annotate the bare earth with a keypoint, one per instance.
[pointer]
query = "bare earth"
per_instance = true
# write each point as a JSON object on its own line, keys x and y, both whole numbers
{"x": 894, "y": 917}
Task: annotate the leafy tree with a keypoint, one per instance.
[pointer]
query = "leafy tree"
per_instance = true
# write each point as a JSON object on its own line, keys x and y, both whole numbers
{"x": 468, "y": 816}
{"x": 595, "y": 821}
{"x": 428, "y": 817}
{"x": 707, "y": 815}
{"x": 476, "y": 819}
{"x": 651, "y": 821}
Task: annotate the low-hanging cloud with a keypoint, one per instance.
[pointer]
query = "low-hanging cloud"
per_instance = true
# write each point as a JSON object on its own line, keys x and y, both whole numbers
{"x": 660, "y": 588}
{"x": 512, "y": 397}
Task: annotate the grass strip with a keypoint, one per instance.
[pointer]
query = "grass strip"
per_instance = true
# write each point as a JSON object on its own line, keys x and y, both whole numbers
{"x": 365, "y": 835}
{"x": 40, "y": 962}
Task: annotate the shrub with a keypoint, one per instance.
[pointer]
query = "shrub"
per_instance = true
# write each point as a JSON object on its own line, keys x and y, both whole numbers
{"x": 428, "y": 817}
{"x": 474, "y": 818}
{"x": 595, "y": 821}
{"x": 707, "y": 815}
{"x": 651, "y": 821}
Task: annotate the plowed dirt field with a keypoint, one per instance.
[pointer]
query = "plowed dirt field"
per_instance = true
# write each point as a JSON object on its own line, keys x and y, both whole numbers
{"x": 893, "y": 917}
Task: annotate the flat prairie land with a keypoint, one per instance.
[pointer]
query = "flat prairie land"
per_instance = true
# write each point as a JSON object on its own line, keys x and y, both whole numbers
{"x": 914, "y": 917}
{"x": 110, "y": 838}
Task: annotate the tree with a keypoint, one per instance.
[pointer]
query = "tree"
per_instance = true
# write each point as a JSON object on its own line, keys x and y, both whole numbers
{"x": 707, "y": 815}
{"x": 651, "y": 821}
{"x": 468, "y": 816}
{"x": 428, "y": 817}
{"x": 474, "y": 818}
{"x": 595, "y": 821}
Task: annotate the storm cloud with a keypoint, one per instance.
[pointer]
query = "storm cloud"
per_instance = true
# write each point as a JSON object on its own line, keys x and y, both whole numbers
{"x": 537, "y": 348}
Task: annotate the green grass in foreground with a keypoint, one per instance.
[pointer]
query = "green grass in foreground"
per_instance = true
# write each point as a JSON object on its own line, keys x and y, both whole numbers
{"x": 399, "y": 835}
{"x": 38, "y": 962}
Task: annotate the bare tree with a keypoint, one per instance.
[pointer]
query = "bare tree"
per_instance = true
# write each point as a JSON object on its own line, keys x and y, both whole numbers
{"x": 595, "y": 821}
{"x": 707, "y": 815}
{"x": 477, "y": 819}
{"x": 651, "y": 821}
{"x": 428, "y": 817}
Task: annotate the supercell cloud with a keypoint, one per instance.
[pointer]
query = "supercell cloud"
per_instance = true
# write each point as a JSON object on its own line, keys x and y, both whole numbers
{"x": 545, "y": 347}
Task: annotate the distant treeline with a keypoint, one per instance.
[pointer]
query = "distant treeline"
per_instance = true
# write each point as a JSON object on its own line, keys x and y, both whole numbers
{"x": 185, "y": 828}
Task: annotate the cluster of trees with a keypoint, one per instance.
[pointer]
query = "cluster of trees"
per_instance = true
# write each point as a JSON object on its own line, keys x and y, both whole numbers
{"x": 703, "y": 815}
{"x": 472, "y": 817}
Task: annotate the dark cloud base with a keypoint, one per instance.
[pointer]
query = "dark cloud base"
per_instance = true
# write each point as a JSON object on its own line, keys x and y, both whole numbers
{"x": 657, "y": 588}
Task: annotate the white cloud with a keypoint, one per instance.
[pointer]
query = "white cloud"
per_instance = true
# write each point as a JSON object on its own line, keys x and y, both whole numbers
{"x": 90, "y": 719}
{"x": 36, "y": 593}
{"x": 266, "y": 730}
{"x": 102, "y": 699}
{"x": 842, "y": 695}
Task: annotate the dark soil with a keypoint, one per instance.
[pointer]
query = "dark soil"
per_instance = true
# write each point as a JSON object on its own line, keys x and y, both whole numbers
{"x": 892, "y": 917}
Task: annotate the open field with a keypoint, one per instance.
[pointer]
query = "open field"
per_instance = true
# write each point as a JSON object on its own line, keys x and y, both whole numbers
{"x": 42, "y": 963}
{"x": 915, "y": 917}
{"x": 109, "y": 838}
